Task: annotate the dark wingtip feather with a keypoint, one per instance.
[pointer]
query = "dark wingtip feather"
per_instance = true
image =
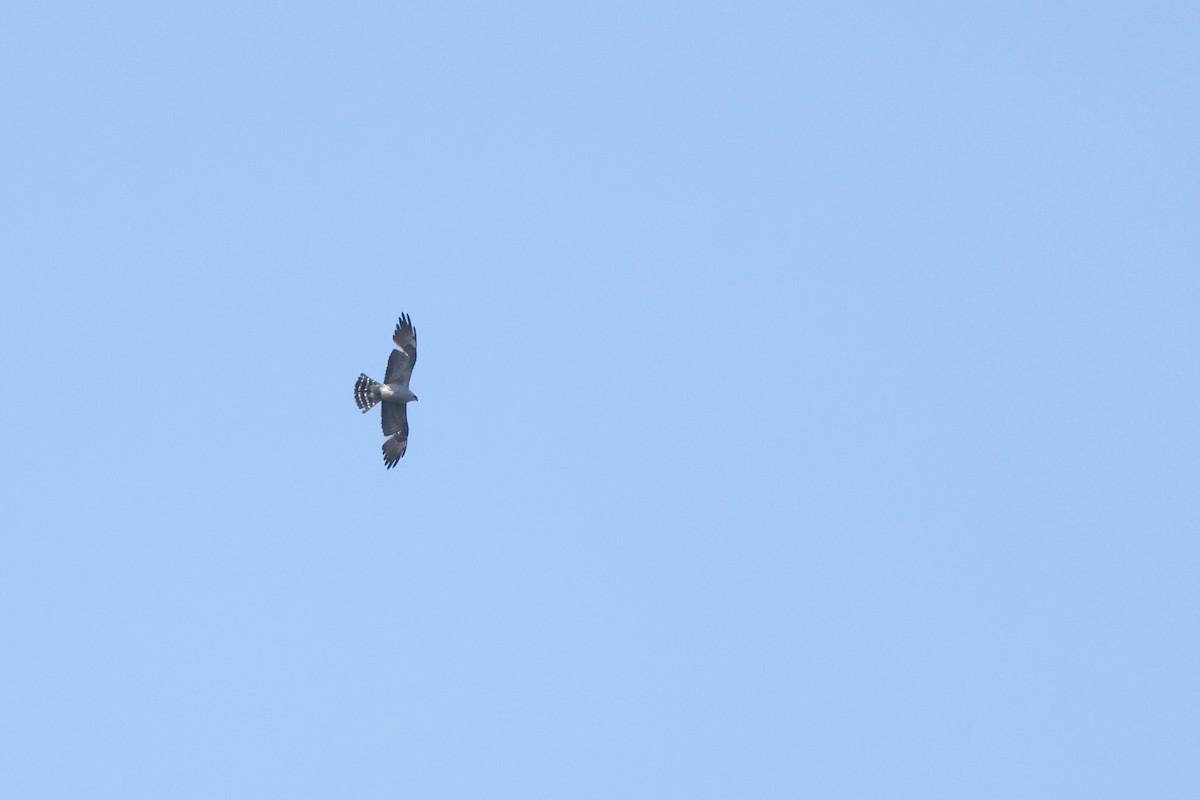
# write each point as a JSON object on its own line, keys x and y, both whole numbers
{"x": 404, "y": 332}
{"x": 397, "y": 451}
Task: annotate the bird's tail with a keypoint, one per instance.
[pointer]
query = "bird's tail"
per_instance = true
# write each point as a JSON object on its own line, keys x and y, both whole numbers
{"x": 366, "y": 393}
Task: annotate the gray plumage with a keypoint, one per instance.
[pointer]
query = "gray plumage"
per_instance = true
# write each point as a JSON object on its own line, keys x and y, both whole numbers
{"x": 393, "y": 393}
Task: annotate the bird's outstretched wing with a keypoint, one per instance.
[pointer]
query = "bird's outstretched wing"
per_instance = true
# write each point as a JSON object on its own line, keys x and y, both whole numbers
{"x": 393, "y": 450}
{"x": 395, "y": 427}
{"x": 404, "y": 357}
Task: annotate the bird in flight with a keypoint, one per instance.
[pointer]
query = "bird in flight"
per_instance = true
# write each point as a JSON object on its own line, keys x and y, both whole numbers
{"x": 393, "y": 393}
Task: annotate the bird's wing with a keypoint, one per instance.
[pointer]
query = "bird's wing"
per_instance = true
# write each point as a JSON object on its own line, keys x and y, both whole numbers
{"x": 404, "y": 357}
{"x": 399, "y": 368}
{"x": 395, "y": 427}
{"x": 393, "y": 449}
{"x": 395, "y": 419}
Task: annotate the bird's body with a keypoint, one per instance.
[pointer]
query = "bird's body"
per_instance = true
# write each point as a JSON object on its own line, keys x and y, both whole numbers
{"x": 393, "y": 393}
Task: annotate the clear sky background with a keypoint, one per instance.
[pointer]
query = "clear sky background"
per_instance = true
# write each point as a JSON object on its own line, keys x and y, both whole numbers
{"x": 808, "y": 400}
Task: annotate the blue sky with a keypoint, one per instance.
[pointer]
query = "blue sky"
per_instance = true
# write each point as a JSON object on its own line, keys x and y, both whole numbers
{"x": 808, "y": 400}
